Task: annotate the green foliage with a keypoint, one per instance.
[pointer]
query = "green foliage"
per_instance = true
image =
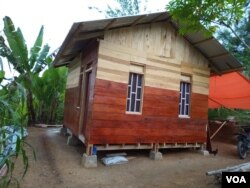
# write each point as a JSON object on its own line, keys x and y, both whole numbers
{"x": 28, "y": 65}
{"x": 126, "y": 8}
{"x": 16, "y": 97}
{"x": 10, "y": 100}
{"x": 17, "y": 45}
{"x": 194, "y": 15}
{"x": 49, "y": 92}
{"x": 18, "y": 50}
{"x": 10, "y": 159}
{"x": 234, "y": 45}
{"x": 209, "y": 15}
{"x": 242, "y": 116}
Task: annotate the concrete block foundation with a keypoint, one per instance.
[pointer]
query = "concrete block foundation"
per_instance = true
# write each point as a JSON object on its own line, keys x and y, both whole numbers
{"x": 89, "y": 161}
{"x": 155, "y": 155}
{"x": 204, "y": 152}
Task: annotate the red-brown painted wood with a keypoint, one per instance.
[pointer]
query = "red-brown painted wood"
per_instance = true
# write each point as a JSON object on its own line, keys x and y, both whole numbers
{"x": 72, "y": 106}
{"x": 71, "y": 113}
{"x": 158, "y": 122}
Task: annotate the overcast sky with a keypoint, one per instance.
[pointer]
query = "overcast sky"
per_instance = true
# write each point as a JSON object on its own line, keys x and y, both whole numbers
{"x": 57, "y": 16}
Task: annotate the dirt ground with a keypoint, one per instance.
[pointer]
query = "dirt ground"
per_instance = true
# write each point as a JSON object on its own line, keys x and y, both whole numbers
{"x": 58, "y": 165}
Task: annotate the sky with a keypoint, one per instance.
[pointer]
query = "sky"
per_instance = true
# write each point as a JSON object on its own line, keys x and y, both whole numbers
{"x": 57, "y": 16}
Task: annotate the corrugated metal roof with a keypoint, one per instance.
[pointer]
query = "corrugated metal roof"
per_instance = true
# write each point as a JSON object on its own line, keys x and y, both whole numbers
{"x": 81, "y": 33}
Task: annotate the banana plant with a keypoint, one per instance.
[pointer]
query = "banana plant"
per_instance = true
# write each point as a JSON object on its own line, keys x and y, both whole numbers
{"x": 49, "y": 91}
{"x": 28, "y": 63}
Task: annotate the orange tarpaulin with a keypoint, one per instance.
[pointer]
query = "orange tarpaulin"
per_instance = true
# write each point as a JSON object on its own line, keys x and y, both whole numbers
{"x": 231, "y": 90}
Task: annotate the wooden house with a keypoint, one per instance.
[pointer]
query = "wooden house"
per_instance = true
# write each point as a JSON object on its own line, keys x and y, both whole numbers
{"x": 135, "y": 83}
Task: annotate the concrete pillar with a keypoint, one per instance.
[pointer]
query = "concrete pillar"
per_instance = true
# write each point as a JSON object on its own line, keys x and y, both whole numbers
{"x": 72, "y": 140}
{"x": 204, "y": 152}
{"x": 89, "y": 161}
{"x": 155, "y": 155}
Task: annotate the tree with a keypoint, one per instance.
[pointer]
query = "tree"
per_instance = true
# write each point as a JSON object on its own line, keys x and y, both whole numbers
{"x": 27, "y": 64}
{"x": 194, "y": 15}
{"x": 126, "y": 8}
{"x": 49, "y": 90}
{"x": 234, "y": 45}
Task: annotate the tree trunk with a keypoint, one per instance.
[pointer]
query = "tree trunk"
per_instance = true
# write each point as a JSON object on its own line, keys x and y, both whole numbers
{"x": 30, "y": 108}
{"x": 52, "y": 117}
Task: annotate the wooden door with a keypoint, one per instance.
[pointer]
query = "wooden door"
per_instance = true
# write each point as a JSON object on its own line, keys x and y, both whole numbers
{"x": 85, "y": 99}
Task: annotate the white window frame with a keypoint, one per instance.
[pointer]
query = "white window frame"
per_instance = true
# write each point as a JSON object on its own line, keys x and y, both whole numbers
{"x": 186, "y": 99}
{"x": 129, "y": 109}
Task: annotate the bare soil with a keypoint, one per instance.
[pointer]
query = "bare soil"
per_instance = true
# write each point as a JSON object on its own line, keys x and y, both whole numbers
{"x": 58, "y": 165}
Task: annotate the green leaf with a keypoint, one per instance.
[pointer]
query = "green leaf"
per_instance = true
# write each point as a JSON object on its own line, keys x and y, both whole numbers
{"x": 41, "y": 63}
{"x": 2, "y": 74}
{"x": 34, "y": 52}
{"x": 18, "y": 144}
{"x": 25, "y": 162}
{"x": 33, "y": 149}
{"x": 1, "y": 62}
{"x": 17, "y": 45}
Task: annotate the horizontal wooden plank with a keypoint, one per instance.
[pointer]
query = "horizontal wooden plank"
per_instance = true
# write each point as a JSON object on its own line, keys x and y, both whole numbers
{"x": 170, "y": 110}
{"x": 152, "y": 82}
{"x": 101, "y": 99}
{"x": 113, "y": 63}
{"x": 160, "y": 102}
{"x": 130, "y": 131}
{"x": 119, "y": 78}
{"x": 151, "y": 122}
{"x": 146, "y": 140}
{"x": 128, "y": 54}
{"x": 200, "y": 90}
{"x": 199, "y": 106}
{"x": 73, "y": 75}
{"x": 173, "y": 79}
{"x": 106, "y": 88}
{"x": 109, "y": 50}
{"x": 201, "y": 79}
{"x": 112, "y": 71}
{"x": 158, "y": 122}
{"x": 158, "y": 91}
{"x": 71, "y": 113}
{"x": 158, "y": 39}
{"x": 108, "y": 108}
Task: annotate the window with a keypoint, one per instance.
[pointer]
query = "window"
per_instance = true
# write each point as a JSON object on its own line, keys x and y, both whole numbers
{"x": 134, "y": 92}
{"x": 184, "y": 100}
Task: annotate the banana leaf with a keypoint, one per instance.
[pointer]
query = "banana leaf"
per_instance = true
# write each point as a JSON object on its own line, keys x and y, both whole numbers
{"x": 17, "y": 44}
{"x": 34, "y": 52}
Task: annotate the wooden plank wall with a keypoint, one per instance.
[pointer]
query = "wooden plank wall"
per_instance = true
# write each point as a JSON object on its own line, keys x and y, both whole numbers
{"x": 71, "y": 113}
{"x": 158, "y": 123}
{"x": 73, "y": 108}
{"x": 157, "y": 46}
{"x": 165, "y": 56}
{"x": 73, "y": 73}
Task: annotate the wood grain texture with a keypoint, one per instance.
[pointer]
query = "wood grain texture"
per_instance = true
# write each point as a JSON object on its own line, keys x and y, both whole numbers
{"x": 164, "y": 54}
{"x": 158, "y": 122}
{"x": 71, "y": 113}
{"x": 73, "y": 74}
{"x": 75, "y": 105}
{"x": 160, "y": 39}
